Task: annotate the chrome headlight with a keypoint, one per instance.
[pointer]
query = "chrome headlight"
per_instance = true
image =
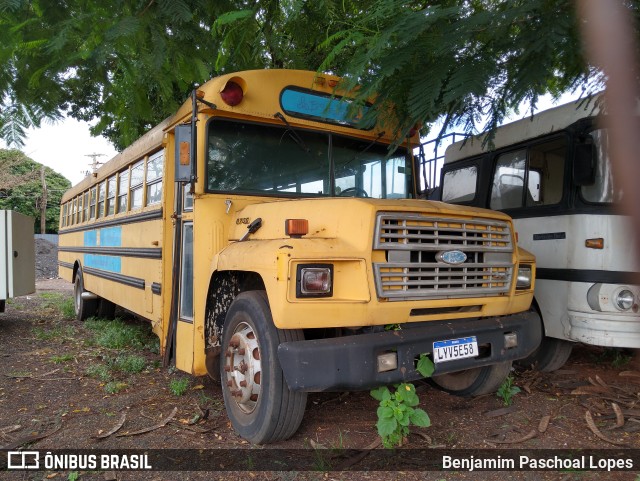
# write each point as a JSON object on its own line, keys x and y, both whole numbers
{"x": 624, "y": 300}
{"x": 524, "y": 277}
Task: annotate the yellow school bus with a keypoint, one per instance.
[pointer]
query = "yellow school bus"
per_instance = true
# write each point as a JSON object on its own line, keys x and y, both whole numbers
{"x": 278, "y": 246}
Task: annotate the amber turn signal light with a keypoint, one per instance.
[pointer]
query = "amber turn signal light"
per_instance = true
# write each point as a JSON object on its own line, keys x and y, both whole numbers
{"x": 296, "y": 227}
{"x": 594, "y": 243}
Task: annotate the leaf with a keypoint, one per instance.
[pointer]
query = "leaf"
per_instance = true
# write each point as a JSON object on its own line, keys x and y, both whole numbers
{"x": 420, "y": 418}
{"x": 425, "y": 366}
{"x": 386, "y": 426}
{"x": 381, "y": 393}
{"x": 384, "y": 412}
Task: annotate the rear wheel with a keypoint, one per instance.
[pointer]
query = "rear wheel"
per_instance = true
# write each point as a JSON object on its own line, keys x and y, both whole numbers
{"x": 474, "y": 382}
{"x": 260, "y": 405}
{"x": 85, "y": 308}
{"x": 551, "y": 355}
{"x": 106, "y": 309}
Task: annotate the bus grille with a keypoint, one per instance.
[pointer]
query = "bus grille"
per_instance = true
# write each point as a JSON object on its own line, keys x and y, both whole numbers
{"x": 411, "y": 243}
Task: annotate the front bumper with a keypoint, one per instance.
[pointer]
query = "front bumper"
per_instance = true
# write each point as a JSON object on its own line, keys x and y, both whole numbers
{"x": 350, "y": 363}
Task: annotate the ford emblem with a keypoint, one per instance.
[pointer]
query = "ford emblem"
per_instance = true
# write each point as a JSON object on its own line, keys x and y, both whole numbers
{"x": 451, "y": 257}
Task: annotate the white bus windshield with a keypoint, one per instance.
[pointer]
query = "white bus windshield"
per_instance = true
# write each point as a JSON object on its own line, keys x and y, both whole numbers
{"x": 260, "y": 159}
{"x": 605, "y": 189}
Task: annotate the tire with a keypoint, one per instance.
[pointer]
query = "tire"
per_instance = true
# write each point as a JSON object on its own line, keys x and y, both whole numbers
{"x": 259, "y": 404}
{"x": 473, "y": 382}
{"x": 85, "y": 308}
{"x": 551, "y": 355}
{"x": 106, "y": 309}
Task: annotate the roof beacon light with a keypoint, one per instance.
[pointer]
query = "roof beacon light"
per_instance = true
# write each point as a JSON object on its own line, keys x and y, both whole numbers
{"x": 232, "y": 93}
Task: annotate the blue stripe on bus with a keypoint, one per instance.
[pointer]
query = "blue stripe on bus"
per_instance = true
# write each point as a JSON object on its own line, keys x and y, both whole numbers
{"x": 108, "y": 237}
{"x": 91, "y": 238}
{"x": 105, "y": 263}
{"x": 111, "y": 237}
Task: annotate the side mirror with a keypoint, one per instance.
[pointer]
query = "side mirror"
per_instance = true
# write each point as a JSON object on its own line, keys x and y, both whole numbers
{"x": 183, "y": 153}
{"x": 584, "y": 163}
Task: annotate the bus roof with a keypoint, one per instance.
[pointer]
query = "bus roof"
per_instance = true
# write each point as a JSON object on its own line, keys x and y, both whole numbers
{"x": 542, "y": 123}
{"x": 253, "y": 105}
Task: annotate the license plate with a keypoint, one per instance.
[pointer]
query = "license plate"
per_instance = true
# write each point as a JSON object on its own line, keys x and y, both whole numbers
{"x": 452, "y": 349}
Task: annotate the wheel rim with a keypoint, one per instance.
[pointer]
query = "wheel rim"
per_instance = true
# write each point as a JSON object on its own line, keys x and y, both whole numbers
{"x": 243, "y": 369}
{"x": 457, "y": 381}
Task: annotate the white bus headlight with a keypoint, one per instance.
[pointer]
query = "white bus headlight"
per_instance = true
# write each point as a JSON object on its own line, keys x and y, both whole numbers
{"x": 524, "y": 277}
{"x": 314, "y": 280}
{"x": 624, "y": 300}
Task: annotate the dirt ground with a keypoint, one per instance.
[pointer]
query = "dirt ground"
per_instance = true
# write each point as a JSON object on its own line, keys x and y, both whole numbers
{"x": 49, "y": 400}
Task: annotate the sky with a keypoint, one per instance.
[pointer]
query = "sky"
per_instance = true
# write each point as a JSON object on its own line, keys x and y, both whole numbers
{"x": 66, "y": 146}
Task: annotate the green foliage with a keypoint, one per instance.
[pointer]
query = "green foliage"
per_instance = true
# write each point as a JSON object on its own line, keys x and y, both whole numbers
{"x": 397, "y": 411}
{"x": 117, "y": 334}
{"x": 62, "y": 358}
{"x": 73, "y": 476}
{"x": 61, "y": 303}
{"x": 99, "y": 371}
{"x": 179, "y": 386}
{"x": 507, "y": 390}
{"x": 130, "y": 363}
{"x": 21, "y": 188}
{"x": 114, "y": 387}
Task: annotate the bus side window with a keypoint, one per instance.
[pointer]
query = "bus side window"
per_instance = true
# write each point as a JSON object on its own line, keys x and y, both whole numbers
{"x": 101, "y": 196}
{"x": 154, "y": 178}
{"x": 123, "y": 190}
{"x": 508, "y": 180}
{"x": 460, "y": 185}
{"x": 92, "y": 203}
{"x": 111, "y": 196}
{"x": 137, "y": 178}
{"x": 64, "y": 215}
{"x": 85, "y": 207}
{"x": 546, "y": 172}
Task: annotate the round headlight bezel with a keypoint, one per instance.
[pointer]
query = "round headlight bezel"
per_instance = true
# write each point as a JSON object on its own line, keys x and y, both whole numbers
{"x": 624, "y": 299}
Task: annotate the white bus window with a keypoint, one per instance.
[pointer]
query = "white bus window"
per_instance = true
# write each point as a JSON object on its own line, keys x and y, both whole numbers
{"x": 92, "y": 203}
{"x": 111, "y": 195}
{"x": 64, "y": 215}
{"x": 154, "y": 178}
{"x": 605, "y": 189}
{"x": 101, "y": 196}
{"x": 508, "y": 180}
{"x": 137, "y": 178}
{"x": 460, "y": 185}
{"x": 123, "y": 190}
{"x": 546, "y": 172}
{"x": 187, "y": 198}
{"x": 186, "y": 276}
{"x": 85, "y": 207}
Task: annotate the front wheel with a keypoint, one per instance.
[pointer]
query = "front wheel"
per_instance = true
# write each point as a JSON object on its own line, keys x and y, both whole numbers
{"x": 474, "y": 382}
{"x": 259, "y": 403}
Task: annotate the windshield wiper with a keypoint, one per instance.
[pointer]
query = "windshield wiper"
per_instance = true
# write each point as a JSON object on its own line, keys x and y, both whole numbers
{"x": 293, "y": 133}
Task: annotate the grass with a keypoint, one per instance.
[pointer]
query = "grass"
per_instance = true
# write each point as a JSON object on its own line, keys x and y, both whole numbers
{"x": 56, "y": 332}
{"x": 99, "y": 371}
{"x": 113, "y": 387}
{"x": 179, "y": 386}
{"x": 117, "y": 334}
{"x": 130, "y": 363}
{"x": 59, "y": 302}
{"x": 62, "y": 359}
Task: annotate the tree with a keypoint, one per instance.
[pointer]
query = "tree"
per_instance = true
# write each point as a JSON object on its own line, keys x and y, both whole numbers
{"x": 21, "y": 188}
{"x": 128, "y": 64}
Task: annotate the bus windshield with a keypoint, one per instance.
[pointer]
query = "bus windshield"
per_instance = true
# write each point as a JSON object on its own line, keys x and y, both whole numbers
{"x": 260, "y": 159}
{"x": 605, "y": 189}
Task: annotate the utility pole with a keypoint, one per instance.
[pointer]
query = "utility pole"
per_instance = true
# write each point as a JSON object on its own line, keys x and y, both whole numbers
{"x": 95, "y": 164}
{"x": 43, "y": 203}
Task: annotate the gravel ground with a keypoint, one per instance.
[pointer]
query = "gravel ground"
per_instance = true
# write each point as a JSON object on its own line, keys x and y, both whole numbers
{"x": 46, "y": 260}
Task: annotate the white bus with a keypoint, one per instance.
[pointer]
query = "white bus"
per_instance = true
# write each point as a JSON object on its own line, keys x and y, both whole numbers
{"x": 552, "y": 174}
